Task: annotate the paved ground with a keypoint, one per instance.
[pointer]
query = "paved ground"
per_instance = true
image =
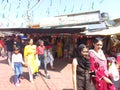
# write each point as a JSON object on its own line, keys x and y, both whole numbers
{"x": 61, "y": 77}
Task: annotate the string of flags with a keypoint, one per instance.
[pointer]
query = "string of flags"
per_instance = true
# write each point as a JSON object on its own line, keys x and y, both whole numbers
{"x": 7, "y": 6}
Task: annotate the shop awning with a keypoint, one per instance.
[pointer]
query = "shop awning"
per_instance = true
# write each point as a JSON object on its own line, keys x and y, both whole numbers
{"x": 110, "y": 31}
{"x": 44, "y": 31}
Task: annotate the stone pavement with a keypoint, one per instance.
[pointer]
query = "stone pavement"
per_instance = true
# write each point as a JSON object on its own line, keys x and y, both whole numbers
{"x": 61, "y": 77}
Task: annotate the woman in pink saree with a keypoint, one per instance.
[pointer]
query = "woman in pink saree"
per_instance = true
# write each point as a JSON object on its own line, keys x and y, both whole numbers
{"x": 98, "y": 61}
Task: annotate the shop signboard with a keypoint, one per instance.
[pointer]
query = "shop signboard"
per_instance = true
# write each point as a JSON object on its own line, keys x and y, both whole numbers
{"x": 72, "y": 19}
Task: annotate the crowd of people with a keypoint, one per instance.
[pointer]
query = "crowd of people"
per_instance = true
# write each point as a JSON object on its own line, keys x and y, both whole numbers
{"x": 29, "y": 54}
{"x": 89, "y": 65}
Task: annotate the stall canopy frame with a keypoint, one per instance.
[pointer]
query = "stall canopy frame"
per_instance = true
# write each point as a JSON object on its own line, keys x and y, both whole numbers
{"x": 44, "y": 31}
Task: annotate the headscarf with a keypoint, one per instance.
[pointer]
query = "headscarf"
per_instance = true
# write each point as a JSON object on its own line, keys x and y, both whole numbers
{"x": 82, "y": 61}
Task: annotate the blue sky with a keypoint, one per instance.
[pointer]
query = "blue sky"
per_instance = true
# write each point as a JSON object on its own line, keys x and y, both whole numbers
{"x": 13, "y": 13}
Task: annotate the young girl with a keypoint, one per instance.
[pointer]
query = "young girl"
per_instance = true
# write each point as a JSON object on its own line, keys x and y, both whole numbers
{"x": 17, "y": 62}
{"x": 80, "y": 69}
{"x": 40, "y": 52}
{"x": 48, "y": 56}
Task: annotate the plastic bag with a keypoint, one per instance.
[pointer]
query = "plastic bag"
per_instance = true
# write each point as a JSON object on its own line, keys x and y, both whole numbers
{"x": 38, "y": 61}
{"x": 113, "y": 71}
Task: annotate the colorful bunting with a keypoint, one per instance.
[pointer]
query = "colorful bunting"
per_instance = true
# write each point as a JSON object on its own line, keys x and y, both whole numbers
{"x": 23, "y": 16}
{"x": 7, "y": 24}
{"x": 10, "y": 7}
{"x": 2, "y": 1}
{"x": 48, "y": 12}
{"x": 92, "y": 5}
{"x": 80, "y": 7}
{"x": 72, "y": 9}
{"x": 50, "y": 2}
{"x": 65, "y": 9}
{"x": 60, "y": 2}
{"x": 3, "y": 15}
{"x": 18, "y": 5}
{"x": 7, "y": 9}
{"x": 21, "y": 24}
{"x": 17, "y": 15}
{"x": 32, "y": 13}
{"x": 101, "y": 1}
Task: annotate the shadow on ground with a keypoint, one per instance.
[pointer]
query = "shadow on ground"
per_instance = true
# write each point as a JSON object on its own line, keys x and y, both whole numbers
{"x": 60, "y": 64}
{"x": 25, "y": 76}
{"x": 4, "y": 61}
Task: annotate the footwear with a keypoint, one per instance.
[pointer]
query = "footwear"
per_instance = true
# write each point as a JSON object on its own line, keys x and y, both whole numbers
{"x": 47, "y": 76}
{"x": 34, "y": 76}
{"x": 37, "y": 74}
{"x": 17, "y": 84}
{"x": 53, "y": 68}
{"x": 31, "y": 81}
{"x": 21, "y": 77}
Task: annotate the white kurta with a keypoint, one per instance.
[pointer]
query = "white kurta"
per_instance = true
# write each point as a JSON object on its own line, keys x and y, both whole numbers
{"x": 48, "y": 56}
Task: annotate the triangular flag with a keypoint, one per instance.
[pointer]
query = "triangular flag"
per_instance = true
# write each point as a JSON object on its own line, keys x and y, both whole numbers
{"x": 50, "y": 2}
{"x": 92, "y": 5}
{"x": 80, "y": 7}
{"x": 17, "y": 15}
{"x": 7, "y": 24}
{"x": 2, "y": 1}
{"x": 10, "y": 7}
{"x": 18, "y": 6}
{"x": 60, "y": 2}
{"x": 21, "y": 24}
{"x": 48, "y": 12}
{"x": 65, "y": 9}
{"x": 101, "y": 1}
{"x": 72, "y": 9}
{"x": 3, "y": 15}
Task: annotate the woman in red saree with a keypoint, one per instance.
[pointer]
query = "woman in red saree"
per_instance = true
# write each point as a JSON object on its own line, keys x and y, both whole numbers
{"x": 99, "y": 64}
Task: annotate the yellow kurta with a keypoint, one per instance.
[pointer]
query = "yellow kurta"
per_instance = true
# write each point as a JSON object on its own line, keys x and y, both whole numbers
{"x": 30, "y": 57}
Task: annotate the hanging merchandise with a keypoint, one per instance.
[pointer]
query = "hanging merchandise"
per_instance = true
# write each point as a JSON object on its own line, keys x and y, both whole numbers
{"x": 115, "y": 40}
{"x": 118, "y": 57}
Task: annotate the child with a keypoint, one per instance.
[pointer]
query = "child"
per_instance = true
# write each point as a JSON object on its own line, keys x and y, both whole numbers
{"x": 49, "y": 57}
{"x": 17, "y": 62}
{"x": 40, "y": 52}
